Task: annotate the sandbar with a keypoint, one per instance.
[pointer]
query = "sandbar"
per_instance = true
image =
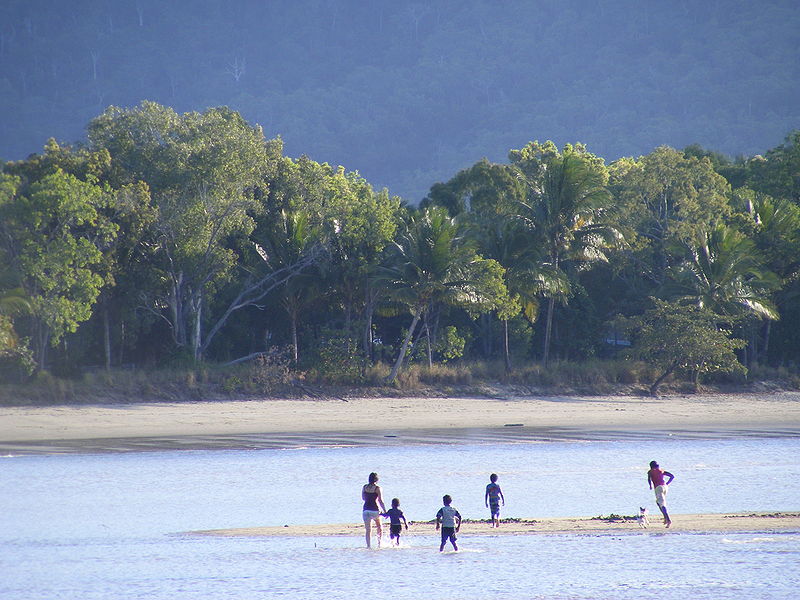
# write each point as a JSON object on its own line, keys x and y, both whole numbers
{"x": 762, "y": 522}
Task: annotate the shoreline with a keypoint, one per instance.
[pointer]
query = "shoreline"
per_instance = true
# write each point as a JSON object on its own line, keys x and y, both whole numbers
{"x": 377, "y": 438}
{"x": 297, "y": 423}
{"x": 756, "y": 522}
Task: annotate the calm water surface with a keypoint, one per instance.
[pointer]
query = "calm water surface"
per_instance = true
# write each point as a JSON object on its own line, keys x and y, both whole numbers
{"x": 83, "y": 526}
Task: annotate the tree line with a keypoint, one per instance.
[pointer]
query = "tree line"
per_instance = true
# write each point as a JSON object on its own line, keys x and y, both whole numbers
{"x": 184, "y": 238}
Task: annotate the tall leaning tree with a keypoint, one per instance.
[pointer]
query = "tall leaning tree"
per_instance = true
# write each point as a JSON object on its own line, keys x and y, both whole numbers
{"x": 433, "y": 261}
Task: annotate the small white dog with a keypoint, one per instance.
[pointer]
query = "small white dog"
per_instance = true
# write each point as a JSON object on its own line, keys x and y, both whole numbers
{"x": 643, "y": 519}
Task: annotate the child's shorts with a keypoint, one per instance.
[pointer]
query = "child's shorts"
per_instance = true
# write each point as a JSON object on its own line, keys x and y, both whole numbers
{"x": 394, "y": 530}
{"x": 449, "y": 533}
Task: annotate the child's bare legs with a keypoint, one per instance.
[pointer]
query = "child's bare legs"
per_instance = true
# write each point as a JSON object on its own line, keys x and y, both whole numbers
{"x": 446, "y": 537}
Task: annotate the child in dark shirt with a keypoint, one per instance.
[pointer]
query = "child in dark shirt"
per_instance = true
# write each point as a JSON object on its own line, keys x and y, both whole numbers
{"x": 395, "y": 516}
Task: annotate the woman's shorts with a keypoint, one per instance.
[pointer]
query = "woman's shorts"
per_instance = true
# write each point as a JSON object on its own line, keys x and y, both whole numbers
{"x": 370, "y": 515}
{"x": 661, "y": 495}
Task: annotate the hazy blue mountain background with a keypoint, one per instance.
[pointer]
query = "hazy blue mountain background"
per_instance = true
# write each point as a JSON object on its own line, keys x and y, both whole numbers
{"x": 408, "y": 93}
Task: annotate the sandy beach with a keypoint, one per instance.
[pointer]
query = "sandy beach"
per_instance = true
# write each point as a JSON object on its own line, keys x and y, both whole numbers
{"x": 733, "y": 522}
{"x": 308, "y": 418}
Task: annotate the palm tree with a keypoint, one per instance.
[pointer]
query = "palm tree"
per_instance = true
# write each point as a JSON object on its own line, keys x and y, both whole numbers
{"x": 724, "y": 272}
{"x": 432, "y": 262}
{"x": 527, "y": 275}
{"x": 13, "y": 299}
{"x": 777, "y": 235}
{"x": 563, "y": 210}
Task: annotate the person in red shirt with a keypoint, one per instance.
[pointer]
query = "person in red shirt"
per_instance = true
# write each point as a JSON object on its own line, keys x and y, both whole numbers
{"x": 655, "y": 480}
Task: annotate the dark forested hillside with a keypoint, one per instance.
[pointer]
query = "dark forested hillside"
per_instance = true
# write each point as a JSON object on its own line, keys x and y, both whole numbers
{"x": 409, "y": 92}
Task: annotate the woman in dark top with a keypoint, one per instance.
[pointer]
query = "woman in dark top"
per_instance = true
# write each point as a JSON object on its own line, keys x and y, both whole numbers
{"x": 373, "y": 507}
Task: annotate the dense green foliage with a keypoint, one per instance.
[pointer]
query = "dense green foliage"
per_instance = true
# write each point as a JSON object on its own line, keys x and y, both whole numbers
{"x": 190, "y": 238}
{"x": 408, "y": 92}
{"x": 676, "y": 337}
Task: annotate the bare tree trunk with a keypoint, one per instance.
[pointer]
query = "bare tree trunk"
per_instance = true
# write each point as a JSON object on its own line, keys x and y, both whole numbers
{"x": 107, "y": 336}
{"x": 121, "y": 343}
{"x": 253, "y": 291}
{"x": 413, "y": 346}
{"x": 404, "y": 348}
{"x": 176, "y": 310}
{"x": 43, "y": 338}
{"x": 437, "y": 314}
{"x": 295, "y": 342}
{"x": 506, "y": 352}
{"x": 548, "y": 330}
{"x": 662, "y": 377}
{"x": 197, "y": 328}
{"x": 428, "y": 339}
{"x": 369, "y": 310}
{"x": 755, "y": 353}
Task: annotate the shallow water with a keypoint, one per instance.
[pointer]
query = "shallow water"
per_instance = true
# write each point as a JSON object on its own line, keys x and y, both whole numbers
{"x": 113, "y": 525}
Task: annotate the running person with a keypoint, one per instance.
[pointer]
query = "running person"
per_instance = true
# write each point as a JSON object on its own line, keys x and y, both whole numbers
{"x": 449, "y": 520}
{"x": 655, "y": 479}
{"x": 396, "y": 521}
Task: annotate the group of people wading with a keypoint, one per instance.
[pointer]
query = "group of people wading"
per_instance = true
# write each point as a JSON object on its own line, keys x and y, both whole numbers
{"x": 448, "y": 519}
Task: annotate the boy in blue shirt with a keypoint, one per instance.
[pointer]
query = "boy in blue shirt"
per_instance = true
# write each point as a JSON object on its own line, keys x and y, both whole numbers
{"x": 492, "y": 498}
{"x": 395, "y": 516}
{"x": 449, "y": 520}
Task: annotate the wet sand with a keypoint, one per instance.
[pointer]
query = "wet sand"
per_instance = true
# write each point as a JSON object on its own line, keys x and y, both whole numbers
{"x": 702, "y": 523}
{"x": 293, "y": 423}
